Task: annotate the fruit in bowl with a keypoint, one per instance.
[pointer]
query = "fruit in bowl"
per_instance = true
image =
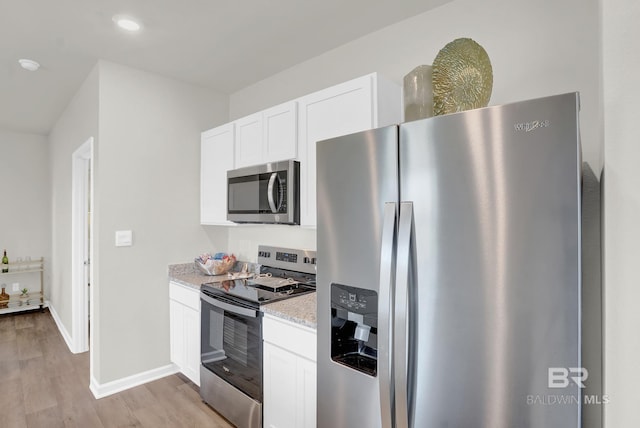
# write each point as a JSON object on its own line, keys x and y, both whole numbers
{"x": 218, "y": 264}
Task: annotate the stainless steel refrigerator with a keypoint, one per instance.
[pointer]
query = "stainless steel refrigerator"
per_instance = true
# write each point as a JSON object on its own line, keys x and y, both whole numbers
{"x": 458, "y": 280}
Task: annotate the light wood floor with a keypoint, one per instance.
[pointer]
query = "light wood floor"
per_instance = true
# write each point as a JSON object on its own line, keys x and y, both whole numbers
{"x": 42, "y": 384}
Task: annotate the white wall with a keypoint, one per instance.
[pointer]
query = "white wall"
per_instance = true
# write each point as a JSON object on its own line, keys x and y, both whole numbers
{"x": 621, "y": 45}
{"x": 77, "y": 123}
{"x": 147, "y": 175}
{"x": 536, "y": 49}
{"x": 26, "y": 202}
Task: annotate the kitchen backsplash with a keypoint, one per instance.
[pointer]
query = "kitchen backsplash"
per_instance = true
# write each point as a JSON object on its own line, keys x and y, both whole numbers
{"x": 243, "y": 241}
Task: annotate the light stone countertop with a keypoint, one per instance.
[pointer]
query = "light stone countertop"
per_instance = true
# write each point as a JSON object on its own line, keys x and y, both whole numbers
{"x": 300, "y": 310}
{"x": 188, "y": 275}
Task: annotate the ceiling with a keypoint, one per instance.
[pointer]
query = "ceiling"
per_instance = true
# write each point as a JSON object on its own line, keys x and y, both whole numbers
{"x": 221, "y": 44}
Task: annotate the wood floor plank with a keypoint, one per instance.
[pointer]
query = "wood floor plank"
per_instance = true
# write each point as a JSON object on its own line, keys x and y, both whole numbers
{"x": 9, "y": 370}
{"x": 13, "y": 419}
{"x": 157, "y": 416}
{"x": 114, "y": 413}
{"x": 47, "y": 418}
{"x": 24, "y": 320}
{"x": 80, "y": 413}
{"x": 58, "y": 364}
{"x": 12, "y": 404}
{"x": 29, "y": 345}
{"x": 71, "y": 388}
{"x": 164, "y": 388}
{"x": 7, "y": 328}
{"x": 38, "y": 395}
{"x": 138, "y": 398}
{"x": 45, "y": 385}
{"x": 9, "y": 350}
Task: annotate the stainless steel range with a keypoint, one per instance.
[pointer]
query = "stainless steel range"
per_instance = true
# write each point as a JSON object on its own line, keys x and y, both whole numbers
{"x": 231, "y": 334}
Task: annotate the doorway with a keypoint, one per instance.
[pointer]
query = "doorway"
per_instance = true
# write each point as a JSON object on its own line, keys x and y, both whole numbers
{"x": 81, "y": 246}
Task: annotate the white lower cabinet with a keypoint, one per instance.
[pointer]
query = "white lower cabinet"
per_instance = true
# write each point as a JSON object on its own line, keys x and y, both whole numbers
{"x": 289, "y": 374}
{"x": 184, "y": 319}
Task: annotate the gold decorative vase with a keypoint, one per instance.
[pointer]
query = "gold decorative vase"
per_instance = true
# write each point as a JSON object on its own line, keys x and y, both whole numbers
{"x": 462, "y": 77}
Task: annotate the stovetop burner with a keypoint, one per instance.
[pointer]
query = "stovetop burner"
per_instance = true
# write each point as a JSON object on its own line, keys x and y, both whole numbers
{"x": 270, "y": 283}
{"x": 283, "y": 273}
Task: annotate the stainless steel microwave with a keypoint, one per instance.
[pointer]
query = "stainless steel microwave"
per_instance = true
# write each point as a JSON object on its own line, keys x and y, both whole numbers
{"x": 268, "y": 193}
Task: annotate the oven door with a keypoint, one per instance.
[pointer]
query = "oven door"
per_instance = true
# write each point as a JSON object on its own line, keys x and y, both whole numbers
{"x": 231, "y": 343}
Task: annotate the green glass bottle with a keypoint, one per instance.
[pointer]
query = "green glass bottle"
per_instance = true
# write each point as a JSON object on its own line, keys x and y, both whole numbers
{"x": 5, "y": 262}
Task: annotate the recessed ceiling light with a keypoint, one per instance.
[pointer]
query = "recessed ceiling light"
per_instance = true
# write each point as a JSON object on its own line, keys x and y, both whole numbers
{"x": 29, "y": 64}
{"x": 127, "y": 23}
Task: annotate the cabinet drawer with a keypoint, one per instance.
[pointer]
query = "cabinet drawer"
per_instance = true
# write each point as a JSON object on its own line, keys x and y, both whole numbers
{"x": 290, "y": 336}
{"x": 186, "y": 295}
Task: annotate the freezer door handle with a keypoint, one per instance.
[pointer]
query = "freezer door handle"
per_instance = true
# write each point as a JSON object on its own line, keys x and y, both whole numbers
{"x": 401, "y": 316}
{"x": 385, "y": 313}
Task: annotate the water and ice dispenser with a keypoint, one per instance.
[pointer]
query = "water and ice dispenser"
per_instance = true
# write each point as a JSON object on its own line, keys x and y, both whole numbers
{"x": 354, "y": 328}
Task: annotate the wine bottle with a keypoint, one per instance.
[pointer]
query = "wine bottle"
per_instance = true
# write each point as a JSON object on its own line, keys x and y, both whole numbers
{"x": 5, "y": 262}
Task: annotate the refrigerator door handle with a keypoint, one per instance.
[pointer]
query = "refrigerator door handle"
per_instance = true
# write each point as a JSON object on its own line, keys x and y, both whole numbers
{"x": 401, "y": 315}
{"x": 385, "y": 313}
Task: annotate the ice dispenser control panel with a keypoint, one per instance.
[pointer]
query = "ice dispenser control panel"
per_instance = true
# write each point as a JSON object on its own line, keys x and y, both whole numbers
{"x": 354, "y": 328}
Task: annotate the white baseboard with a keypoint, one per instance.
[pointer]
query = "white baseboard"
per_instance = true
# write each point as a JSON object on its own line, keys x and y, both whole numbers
{"x": 109, "y": 388}
{"x": 63, "y": 331}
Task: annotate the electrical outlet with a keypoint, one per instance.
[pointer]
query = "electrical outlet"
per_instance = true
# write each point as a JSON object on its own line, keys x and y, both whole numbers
{"x": 15, "y": 286}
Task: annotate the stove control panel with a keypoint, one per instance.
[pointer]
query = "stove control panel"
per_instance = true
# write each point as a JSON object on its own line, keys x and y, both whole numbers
{"x": 288, "y": 258}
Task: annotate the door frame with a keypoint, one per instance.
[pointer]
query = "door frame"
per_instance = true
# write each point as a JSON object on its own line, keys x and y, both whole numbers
{"x": 82, "y": 186}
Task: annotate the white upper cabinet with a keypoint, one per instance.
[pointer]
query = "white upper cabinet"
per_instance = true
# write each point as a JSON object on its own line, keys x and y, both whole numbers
{"x": 359, "y": 104}
{"x": 280, "y": 132}
{"x": 267, "y": 136}
{"x": 249, "y": 140}
{"x": 290, "y": 131}
{"x": 216, "y": 157}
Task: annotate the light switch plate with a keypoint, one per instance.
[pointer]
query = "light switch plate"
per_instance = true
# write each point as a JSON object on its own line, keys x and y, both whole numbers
{"x": 124, "y": 238}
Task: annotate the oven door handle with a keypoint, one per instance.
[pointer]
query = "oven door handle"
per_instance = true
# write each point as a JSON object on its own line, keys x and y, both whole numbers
{"x": 238, "y": 310}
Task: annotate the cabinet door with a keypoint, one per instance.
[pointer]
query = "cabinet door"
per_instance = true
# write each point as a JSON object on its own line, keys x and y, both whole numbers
{"x": 216, "y": 157}
{"x": 184, "y": 324}
{"x": 191, "y": 334}
{"x": 176, "y": 325}
{"x": 306, "y": 384}
{"x": 280, "y": 399}
{"x": 339, "y": 110}
{"x": 280, "y": 133}
{"x": 249, "y": 140}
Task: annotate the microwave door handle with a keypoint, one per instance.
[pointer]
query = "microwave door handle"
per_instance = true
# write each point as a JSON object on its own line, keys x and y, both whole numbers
{"x": 401, "y": 314}
{"x": 280, "y": 194}
{"x": 272, "y": 202}
{"x": 385, "y": 314}
{"x": 238, "y": 310}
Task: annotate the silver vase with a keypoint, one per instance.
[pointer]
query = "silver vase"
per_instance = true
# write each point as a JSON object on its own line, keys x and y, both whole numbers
{"x": 418, "y": 93}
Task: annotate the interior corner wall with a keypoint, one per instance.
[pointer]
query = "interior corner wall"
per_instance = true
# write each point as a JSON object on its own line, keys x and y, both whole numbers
{"x": 148, "y": 171}
{"x": 26, "y": 197}
{"x": 621, "y": 36}
{"x": 76, "y": 125}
